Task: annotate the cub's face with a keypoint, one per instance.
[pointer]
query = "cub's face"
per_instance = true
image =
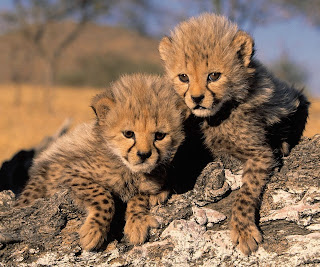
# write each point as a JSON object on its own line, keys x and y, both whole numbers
{"x": 208, "y": 68}
{"x": 142, "y": 145}
{"x": 143, "y": 125}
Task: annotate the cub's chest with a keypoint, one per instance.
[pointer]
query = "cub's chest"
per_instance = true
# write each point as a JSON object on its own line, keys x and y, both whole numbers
{"x": 126, "y": 184}
{"x": 219, "y": 133}
{"x": 217, "y": 141}
{"x": 229, "y": 136}
{"x": 122, "y": 183}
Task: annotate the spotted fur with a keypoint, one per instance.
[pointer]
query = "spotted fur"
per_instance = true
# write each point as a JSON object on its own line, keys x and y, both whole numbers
{"x": 124, "y": 153}
{"x": 246, "y": 111}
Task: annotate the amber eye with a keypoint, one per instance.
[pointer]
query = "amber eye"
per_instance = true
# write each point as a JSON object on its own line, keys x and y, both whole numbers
{"x": 183, "y": 78}
{"x": 214, "y": 76}
{"x": 128, "y": 134}
{"x": 159, "y": 136}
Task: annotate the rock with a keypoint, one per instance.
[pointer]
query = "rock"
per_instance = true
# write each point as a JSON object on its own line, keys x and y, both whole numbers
{"x": 45, "y": 234}
{"x": 207, "y": 216}
{"x": 7, "y": 198}
{"x": 233, "y": 180}
{"x": 211, "y": 185}
{"x": 199, "y": 215}
{"x": 300, "y": 212}
{"x": 214, "y": 216}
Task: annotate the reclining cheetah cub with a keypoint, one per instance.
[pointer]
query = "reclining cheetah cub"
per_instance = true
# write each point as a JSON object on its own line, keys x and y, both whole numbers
{"x": 246, "y": 111}
{"x": 136, "y": 134}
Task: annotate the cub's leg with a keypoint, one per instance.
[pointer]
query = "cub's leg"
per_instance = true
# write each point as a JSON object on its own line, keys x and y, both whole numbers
{"x": 99, "y": 204}
{"x": 243, "y": 227}
{"x": 35, "y": 188}
{"x": 138, "y": 219}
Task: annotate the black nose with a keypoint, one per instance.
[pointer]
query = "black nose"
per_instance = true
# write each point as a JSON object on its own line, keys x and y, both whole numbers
{"x": 143, "y": 156}
{"x": 197, "y": 99}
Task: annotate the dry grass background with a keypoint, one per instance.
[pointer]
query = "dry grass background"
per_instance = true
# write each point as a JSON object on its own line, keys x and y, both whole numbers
{"x": 92, "y": 58}
{"x": 24, "y": 126}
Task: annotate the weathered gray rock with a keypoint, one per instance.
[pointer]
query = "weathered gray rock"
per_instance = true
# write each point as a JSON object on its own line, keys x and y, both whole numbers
{"x": 211, "y": 185}
{"x": 45, "y": 234}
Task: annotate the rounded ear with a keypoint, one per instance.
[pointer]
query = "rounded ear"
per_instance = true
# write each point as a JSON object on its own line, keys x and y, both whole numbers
{"x": 244, "y": 45}
{"x": 165, "y": 47}
{"x": 101, "y": 105}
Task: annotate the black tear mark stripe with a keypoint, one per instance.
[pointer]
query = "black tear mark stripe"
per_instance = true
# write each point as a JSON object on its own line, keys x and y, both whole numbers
{"x": 185, "y": 93}
{"x": 212, "y": 93}
{"x": 130, "y": 148}
{"x": 158, "y": 151}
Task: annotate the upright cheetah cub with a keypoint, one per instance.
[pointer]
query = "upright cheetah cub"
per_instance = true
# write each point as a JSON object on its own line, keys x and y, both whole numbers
{"x": 125, "y": 152}
{"x": 246, "y": 111}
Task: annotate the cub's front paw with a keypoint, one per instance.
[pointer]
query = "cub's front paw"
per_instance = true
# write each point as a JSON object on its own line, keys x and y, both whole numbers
{"x": 158, "y": 198}
{"x": 247, "y": 235}
{"x": 137, "y": 227}
{"x": 92, "y": 234}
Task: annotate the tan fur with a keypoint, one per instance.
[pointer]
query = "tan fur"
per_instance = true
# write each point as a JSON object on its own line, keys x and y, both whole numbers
{"x": 138, "y": 221}
{"x": 100, "y": 159}
{"x": 246, "y": 111}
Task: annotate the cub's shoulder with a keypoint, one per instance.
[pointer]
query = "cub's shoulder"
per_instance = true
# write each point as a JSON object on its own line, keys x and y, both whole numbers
{"x": 74, "y": 143}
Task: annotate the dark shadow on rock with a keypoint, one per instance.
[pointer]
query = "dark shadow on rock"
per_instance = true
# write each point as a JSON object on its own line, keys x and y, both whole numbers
{"x": 118, "y": 221}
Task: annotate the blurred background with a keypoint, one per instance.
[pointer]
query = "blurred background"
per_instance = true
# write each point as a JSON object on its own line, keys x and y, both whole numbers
{"x": 56, "y": 55}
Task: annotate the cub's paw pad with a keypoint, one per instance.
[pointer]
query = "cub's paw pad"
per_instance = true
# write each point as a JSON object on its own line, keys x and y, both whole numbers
{"x": 91, "y": 235}
{"x": 158, "y": 198}
{"x": 248, "y": 238}
{"x": 137, "y": 227}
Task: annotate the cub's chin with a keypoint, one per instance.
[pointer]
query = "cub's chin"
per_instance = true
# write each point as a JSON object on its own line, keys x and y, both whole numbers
{"x": 205, "y": 110}
{"x": 141, "y": 167}
{"x": 213, "y": 110}
{"x": 202, "y": 112}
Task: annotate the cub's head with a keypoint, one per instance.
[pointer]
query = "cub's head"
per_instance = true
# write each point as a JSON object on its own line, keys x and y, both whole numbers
{"x": 208, "y": 59}
{"x": 139, "y": 118}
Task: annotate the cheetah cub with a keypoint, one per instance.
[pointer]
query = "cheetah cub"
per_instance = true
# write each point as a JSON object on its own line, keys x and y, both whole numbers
{"x": 137, "y": 131}
{"x": 246, "y": 111}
